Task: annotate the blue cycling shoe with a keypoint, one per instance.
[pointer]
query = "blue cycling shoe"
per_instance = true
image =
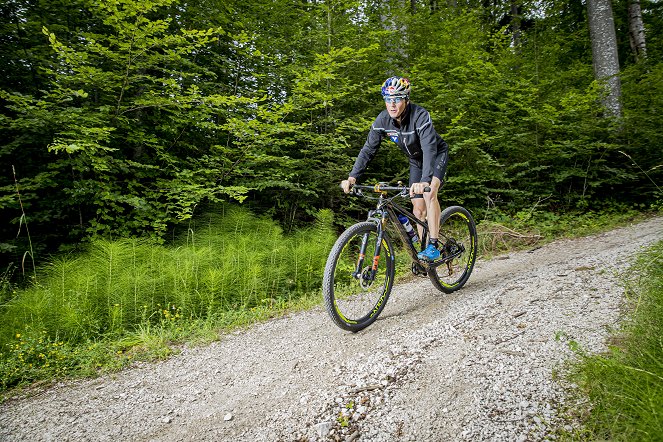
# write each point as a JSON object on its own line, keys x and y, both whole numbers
{"x": 430, "y": 253}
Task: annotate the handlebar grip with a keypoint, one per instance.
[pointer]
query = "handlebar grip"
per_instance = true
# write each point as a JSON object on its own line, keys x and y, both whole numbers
{"x": 427, "y": 189}
{"x": 353, "y": 190}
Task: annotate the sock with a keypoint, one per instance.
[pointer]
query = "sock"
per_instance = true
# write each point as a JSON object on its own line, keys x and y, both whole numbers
{"x": 434, "y": 242}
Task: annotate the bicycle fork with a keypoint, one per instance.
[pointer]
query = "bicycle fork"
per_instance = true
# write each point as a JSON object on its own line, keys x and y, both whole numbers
{"x": 367, "y": 275}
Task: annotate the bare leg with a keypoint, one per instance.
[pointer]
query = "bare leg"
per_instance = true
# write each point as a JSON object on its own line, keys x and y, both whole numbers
{"x": 419, "y": 210}
{"x": 428, "y": 208}
{"x": 433, "y": 208}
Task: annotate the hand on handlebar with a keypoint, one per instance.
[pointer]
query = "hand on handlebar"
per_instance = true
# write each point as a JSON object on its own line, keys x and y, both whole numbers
{"x": 346, "y": 185}
{"x": 419, "y": 188}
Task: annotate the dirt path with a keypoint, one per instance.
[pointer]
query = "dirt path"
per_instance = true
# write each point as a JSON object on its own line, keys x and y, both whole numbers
{"x": 475, "y": 365}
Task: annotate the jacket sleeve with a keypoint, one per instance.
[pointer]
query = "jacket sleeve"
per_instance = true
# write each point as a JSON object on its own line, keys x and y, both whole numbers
{"x": 369, "y": 150}
{"x": 431, "y": 145}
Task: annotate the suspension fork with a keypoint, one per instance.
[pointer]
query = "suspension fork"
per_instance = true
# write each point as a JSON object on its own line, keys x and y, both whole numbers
{"x": 362, "y": 256}
{"x": 376, "y": 256}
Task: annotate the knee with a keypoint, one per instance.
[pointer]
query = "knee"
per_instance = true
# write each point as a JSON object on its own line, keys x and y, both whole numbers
{"x": 419, "y": 210}
{"x": 430, "y": 196}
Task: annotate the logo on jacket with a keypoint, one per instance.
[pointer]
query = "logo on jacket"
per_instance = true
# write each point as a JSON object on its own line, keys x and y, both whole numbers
{"x": 393, "y": 136}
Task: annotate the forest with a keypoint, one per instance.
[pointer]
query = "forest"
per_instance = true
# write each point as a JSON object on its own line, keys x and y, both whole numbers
{"x": 126, "y": 118}
{"x": 171, "y": 169}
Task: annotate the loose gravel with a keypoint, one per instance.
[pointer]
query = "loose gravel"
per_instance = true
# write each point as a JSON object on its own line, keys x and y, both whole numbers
{"x": 476, "y": 365}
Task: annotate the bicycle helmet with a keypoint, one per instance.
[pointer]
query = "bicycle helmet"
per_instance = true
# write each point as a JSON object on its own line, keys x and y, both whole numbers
{"x": 396, "y": 87}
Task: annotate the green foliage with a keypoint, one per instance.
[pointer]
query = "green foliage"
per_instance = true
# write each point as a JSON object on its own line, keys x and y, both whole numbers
{"x": 32, "y": 357}
{"x": 123, "y": 118}
{"x": 224, "y": 267}
{"x": 625, "y": 386}
{"x": 122, "y": 115}
{"x": 501, "y": 231}
{"x": 643, "y": 104}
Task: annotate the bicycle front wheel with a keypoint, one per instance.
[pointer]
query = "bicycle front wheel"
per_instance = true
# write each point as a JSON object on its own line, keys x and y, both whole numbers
{"x": 458, "y": 243}
{"x": 356, "y": 286}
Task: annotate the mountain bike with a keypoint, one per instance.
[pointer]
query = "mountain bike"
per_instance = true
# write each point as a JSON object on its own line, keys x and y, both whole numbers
{"x": 360, "y": 269}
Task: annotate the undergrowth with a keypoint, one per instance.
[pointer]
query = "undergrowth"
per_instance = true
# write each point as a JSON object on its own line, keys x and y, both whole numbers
{"x": 499, "y": 232}
{"x": 624, "y": 387}
{"x": 131, "y": 299}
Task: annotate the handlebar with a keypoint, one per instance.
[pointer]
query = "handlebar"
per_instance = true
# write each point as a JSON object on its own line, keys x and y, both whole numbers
{"x": 383, "y": 187}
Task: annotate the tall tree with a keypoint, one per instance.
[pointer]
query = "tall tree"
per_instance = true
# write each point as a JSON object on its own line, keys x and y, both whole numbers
{"x": 123, "y": 123}
{"x": 636, "y": 30}
{"x": 604, "y": 52}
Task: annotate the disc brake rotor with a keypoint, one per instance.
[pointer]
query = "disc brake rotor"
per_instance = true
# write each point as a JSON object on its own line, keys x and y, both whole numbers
{"x": 365, "y": 279}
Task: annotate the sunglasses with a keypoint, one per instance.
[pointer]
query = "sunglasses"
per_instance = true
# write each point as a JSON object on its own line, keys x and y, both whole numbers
{"x": 394, "y": 99}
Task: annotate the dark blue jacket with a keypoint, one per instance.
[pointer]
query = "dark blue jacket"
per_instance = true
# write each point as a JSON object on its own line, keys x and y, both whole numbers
{"x": 416, "y": 137}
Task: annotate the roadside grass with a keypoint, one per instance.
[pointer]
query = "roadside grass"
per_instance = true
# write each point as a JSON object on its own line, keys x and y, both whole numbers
{"x": 132, "y": 300}
{"x": 500, "y": 233}
{"x": 624, "y": 387}
{"x": 126, "y": 300}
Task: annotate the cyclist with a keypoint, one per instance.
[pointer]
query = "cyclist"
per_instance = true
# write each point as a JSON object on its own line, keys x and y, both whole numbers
{"x": 411, "y": 128}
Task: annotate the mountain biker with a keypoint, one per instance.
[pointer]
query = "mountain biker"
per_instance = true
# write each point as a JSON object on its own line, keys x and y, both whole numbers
{"x": 411, "y": 128}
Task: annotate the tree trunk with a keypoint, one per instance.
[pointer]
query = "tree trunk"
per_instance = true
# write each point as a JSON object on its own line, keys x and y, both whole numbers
{"x": 515, "y": 23}
{"x": 636, "y": 30}
{"x": 604, "y": 52}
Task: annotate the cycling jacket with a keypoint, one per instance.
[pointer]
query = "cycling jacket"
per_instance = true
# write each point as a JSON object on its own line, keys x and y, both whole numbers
{"x": 416, "y": 137}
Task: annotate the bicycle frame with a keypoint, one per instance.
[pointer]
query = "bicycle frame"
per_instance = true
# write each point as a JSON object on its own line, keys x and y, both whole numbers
{"x": 387, "y": 211}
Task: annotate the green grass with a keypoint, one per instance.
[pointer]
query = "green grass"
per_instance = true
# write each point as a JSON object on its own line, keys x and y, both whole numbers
{"x": 625, "y": 387}
{"x": 131, "y": 299}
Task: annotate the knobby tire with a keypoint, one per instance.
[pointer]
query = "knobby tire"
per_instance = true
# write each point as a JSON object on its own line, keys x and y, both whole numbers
{"x": 457, "y": 229}
{"x": 355, "y": 303}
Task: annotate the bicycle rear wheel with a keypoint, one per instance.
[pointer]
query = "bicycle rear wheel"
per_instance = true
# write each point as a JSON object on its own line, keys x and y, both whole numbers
{"x": 458, "y": 242}
{"x": 354, "y": 299}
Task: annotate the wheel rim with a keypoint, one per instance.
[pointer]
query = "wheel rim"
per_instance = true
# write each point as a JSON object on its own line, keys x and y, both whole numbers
{"x": 457, "y": 239}
{"x": 357, "y": 299}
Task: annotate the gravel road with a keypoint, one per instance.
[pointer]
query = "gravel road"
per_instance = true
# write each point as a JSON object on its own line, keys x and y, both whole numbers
{"x": 472, "y": 366}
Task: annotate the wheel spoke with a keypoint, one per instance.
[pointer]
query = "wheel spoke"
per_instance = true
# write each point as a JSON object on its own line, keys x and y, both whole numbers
{"x": 356, "y": 295}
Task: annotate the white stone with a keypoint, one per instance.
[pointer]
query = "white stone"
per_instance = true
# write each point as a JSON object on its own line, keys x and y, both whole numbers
{"x": 323, "y": 428}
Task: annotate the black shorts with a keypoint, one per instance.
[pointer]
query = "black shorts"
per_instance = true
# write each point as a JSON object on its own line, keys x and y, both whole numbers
{"x": 439, "y": 170}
